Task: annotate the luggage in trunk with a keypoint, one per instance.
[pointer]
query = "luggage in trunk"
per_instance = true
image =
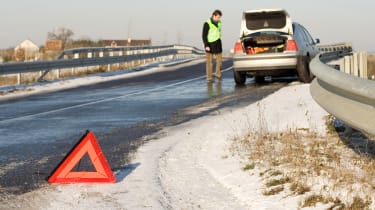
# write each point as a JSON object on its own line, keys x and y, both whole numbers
{"x": 264, "y": 44}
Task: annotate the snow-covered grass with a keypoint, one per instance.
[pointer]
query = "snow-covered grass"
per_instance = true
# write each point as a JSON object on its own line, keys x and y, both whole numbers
{"x": 331, "y": 169}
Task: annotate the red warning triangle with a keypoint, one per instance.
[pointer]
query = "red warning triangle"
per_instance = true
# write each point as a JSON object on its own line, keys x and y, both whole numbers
{"x": 87, "y": 145}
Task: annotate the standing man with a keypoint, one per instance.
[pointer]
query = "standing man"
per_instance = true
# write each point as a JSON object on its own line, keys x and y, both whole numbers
{"x": 212, "y": 44}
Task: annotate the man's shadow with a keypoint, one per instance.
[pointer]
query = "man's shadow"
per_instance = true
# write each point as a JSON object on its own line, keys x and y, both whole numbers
{"x": 214, "y": 88}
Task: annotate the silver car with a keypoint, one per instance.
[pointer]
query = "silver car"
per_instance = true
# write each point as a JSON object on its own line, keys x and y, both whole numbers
{"x": 271, "y": 44}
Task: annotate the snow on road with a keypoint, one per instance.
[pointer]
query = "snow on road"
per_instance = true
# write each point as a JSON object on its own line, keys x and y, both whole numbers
{"x": 190, "y": 166}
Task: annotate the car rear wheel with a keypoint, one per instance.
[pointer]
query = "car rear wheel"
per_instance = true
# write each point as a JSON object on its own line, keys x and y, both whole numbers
{"x": 303, "y": 69}
{"x": 239, "y": 78}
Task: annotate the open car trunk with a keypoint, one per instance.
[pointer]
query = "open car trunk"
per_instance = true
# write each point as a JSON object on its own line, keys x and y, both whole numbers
{"x": 264, "y": 43}
{"x": 265, "y": 31}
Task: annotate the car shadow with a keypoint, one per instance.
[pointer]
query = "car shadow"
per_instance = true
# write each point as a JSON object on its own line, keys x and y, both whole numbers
{"x": 267, "y": 81}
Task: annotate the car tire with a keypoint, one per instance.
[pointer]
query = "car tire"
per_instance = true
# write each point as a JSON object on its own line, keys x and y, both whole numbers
{"x": 303, "y": 69}
{"x": 239, "y": 78}
{"x": 259, "y": 79}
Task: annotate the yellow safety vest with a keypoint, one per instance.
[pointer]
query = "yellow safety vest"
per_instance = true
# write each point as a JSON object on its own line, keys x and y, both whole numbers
{"x": 214, "y": 33}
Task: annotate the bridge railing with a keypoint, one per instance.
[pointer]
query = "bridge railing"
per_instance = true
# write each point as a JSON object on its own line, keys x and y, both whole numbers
{"x": 97, "y": 56}
{"x": 85, "y": 58}
{"x": 350, "y": 99}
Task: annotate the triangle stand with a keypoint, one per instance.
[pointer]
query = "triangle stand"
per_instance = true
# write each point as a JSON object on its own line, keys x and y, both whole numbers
{"x": 87, "y": 145}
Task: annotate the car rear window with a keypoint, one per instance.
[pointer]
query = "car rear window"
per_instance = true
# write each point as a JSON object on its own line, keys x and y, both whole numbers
{"x": 263, "y": 20}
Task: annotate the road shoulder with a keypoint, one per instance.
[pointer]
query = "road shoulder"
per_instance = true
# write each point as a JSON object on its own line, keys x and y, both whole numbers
{"x": 191, "y": 166}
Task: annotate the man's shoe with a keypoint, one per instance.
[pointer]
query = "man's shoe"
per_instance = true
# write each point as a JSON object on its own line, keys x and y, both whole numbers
{"x": 218, "y": 78}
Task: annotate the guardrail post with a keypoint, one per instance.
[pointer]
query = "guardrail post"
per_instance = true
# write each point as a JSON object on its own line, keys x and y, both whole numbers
{"x": 365, "y": 59}
{"x": 355, "y": 64}
{"x": 131, "y": 52}
{"x": 109, "y": 67}
{"x": 363, "y": 65}
{"x": 342, "y": 64}
{"x": 351, "y": 72}
{"x": 18, "y": 78}
{"x": 144, "y": 51}
{"x": 346, "y": 65}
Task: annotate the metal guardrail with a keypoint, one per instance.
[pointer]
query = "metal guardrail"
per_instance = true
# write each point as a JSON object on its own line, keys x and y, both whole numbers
{"x": 348, "y": 98}
{"x": 329, "y": 56}
{"x": 344, "y": 46}
{"x": 10, "y": 68}
{"x": 98, "y": 56}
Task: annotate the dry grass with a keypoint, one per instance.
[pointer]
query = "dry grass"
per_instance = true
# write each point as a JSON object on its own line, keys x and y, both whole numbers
{"x": 273, "y": 191}
{"x": 299, "y": 188}
{"x": 337, "y": 169}
{"x": 276, "y": 173}
{"x": 276, "y": 182}
{"x": 250, "y": 166}
{"x": 312, "y": 200}
{"x": 359, "y": 203}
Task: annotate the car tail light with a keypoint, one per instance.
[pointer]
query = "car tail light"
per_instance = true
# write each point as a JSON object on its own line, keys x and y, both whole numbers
{"x": 291, "y": 45}
{"x": 238, "y": 48}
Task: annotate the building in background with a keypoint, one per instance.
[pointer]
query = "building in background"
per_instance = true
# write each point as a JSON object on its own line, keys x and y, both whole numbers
{"x": 26, "y": 51}
{"x": 53, "y": 45}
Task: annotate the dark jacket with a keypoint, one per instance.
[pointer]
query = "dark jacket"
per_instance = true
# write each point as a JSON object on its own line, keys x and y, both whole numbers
{"x": 216, "y": 46}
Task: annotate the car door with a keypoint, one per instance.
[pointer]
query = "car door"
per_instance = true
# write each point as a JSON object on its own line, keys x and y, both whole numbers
{"x": 311, "y": 45}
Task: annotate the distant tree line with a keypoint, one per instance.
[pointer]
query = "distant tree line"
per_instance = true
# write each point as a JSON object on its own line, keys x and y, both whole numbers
{"x": 63, "y": 34}
{"x": 66, "y": 34}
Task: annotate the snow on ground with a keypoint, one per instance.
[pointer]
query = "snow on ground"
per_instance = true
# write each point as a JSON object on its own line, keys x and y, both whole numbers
{"x": 189, "y": 166}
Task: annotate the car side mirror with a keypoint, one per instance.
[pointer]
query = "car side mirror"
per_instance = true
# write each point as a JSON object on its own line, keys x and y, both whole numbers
{"x": 317, "y": 41}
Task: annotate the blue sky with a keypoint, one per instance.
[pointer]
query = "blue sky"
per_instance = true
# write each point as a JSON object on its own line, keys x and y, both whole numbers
{"x": 167, "y": 21}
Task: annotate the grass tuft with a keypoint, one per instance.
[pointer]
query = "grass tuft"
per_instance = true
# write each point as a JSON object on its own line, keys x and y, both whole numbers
{"x": 273, "y": 191}
{"x": 276, "y": 173}
{"x": 312, "y": 200}
{"x": 359, "y": 203}
{"x": 299, "y": 188}
{"x": 249, "y": 167}
{"x": 276, "y": 182}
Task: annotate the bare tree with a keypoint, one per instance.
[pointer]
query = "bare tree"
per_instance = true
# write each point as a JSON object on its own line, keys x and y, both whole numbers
{"x": 63, "y": 34}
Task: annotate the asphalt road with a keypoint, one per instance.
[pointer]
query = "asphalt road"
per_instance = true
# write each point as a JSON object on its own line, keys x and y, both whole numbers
{"x": 39, "y": 130}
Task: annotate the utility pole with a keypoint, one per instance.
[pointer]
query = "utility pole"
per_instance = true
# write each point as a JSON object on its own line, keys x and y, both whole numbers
{"x": 179, "y": 37}
{"x": 129, "y": 31}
